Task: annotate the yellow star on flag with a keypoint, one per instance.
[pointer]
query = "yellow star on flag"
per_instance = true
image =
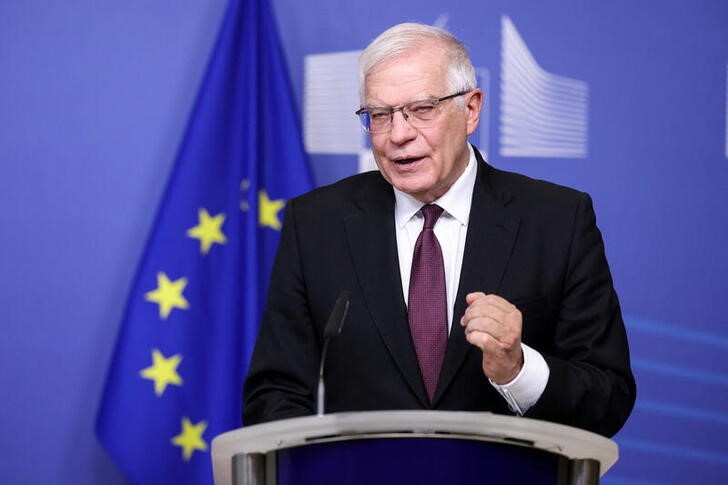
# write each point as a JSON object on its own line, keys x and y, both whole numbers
{"x": 268, "y": 210}
{"x": 208, "y": 230}
{"x": 190, "y": 439}
{"x": 168, "y": 295}
{"x": 163, "y": 371}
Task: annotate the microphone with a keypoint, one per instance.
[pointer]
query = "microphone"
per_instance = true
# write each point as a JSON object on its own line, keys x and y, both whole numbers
{"x": 333, "y": 328}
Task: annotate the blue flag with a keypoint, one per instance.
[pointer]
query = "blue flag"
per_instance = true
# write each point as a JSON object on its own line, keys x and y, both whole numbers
{"x": 191, "y": 321}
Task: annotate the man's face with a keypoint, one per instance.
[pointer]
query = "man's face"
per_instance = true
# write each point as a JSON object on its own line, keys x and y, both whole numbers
{"x": 422, "y": 162}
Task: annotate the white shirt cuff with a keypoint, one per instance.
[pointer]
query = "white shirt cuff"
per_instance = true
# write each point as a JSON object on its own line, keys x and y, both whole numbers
{"x": 526, "y": 388}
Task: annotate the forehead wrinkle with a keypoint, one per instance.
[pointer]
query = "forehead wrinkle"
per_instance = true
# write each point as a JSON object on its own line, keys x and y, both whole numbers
{"x": 423, "y": 89}
{"x": 415, "y": 66}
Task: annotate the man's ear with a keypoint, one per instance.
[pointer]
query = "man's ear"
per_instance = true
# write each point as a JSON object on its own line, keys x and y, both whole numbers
{"x": 473, "y": 105}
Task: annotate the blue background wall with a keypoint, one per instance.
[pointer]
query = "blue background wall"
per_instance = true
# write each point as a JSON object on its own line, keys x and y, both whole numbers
{"x": 94, "y": 98}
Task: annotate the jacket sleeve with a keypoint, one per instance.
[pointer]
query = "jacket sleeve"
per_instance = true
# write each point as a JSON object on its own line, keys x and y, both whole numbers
{"x": 284, "y": 365}
{"x": 590, "y": 383}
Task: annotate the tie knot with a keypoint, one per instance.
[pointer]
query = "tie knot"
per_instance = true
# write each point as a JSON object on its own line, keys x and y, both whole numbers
{"x": 431, "y": 213}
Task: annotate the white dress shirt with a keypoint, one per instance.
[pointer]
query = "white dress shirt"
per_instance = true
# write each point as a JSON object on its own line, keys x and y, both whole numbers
{"x": 450, "y": 229}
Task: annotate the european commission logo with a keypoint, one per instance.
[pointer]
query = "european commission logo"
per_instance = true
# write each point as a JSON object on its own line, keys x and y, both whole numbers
{"x": 542, "y": 114}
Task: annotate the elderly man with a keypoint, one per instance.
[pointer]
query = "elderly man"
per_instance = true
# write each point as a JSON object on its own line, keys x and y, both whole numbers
{"x": 471, "y": 288}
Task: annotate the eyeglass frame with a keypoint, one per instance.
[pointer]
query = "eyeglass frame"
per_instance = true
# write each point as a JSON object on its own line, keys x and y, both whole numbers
{"x": 402, "y": 108}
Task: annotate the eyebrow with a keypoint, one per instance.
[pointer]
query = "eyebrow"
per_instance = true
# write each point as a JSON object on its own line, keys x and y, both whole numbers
{"x": 387, "y": 106}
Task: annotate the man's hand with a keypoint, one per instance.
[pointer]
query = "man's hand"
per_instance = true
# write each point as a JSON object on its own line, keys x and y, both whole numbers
{"x": 494, "y": 326}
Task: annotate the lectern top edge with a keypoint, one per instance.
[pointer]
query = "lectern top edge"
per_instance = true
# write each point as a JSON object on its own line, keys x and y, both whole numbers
{"x": 572, "y": 443}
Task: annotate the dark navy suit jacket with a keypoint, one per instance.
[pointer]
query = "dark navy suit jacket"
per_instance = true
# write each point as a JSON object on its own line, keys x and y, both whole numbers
{"x": 533, "y": 243}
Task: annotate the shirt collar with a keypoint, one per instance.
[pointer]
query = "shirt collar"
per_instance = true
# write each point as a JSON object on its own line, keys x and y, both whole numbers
{"x": 456, "y": 201}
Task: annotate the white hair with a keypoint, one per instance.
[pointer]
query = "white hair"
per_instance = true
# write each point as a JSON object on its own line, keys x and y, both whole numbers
{"x": 402, "y": 38}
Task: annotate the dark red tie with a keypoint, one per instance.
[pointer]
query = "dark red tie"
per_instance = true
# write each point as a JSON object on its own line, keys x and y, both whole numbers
{"x": 427, "y": 303}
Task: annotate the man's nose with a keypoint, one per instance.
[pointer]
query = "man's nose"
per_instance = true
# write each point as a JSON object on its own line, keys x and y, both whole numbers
{"x": 401, "y": 131}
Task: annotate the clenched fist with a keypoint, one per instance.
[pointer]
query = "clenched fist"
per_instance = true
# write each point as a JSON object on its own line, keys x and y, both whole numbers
{"x": 494, "y": 326}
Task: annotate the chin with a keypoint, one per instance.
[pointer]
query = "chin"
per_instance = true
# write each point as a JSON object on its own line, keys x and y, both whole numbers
{"x": 408, "y": 187}
{"x": 423, "y": 194}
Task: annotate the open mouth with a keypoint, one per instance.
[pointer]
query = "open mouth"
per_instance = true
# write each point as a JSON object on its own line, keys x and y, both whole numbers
{"x": 407, "y": 161}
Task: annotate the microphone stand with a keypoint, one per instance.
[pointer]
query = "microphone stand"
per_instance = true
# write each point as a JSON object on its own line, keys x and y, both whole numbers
{"x": 333, "y": 329}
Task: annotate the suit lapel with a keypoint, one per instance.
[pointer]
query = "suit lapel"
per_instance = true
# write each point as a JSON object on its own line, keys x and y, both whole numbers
{"x": 492, "y": 231}
{"x": 373, "y": 246}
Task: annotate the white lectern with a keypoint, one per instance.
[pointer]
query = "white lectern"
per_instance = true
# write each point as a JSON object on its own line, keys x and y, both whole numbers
{"x": 411, "y": 447}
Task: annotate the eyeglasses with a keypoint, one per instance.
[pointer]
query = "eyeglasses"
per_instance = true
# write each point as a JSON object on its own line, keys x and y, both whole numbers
{"x": 419, "y": 114}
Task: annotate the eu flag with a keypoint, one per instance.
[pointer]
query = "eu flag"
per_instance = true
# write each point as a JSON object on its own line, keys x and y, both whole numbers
{"x": 176, "y": 376}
